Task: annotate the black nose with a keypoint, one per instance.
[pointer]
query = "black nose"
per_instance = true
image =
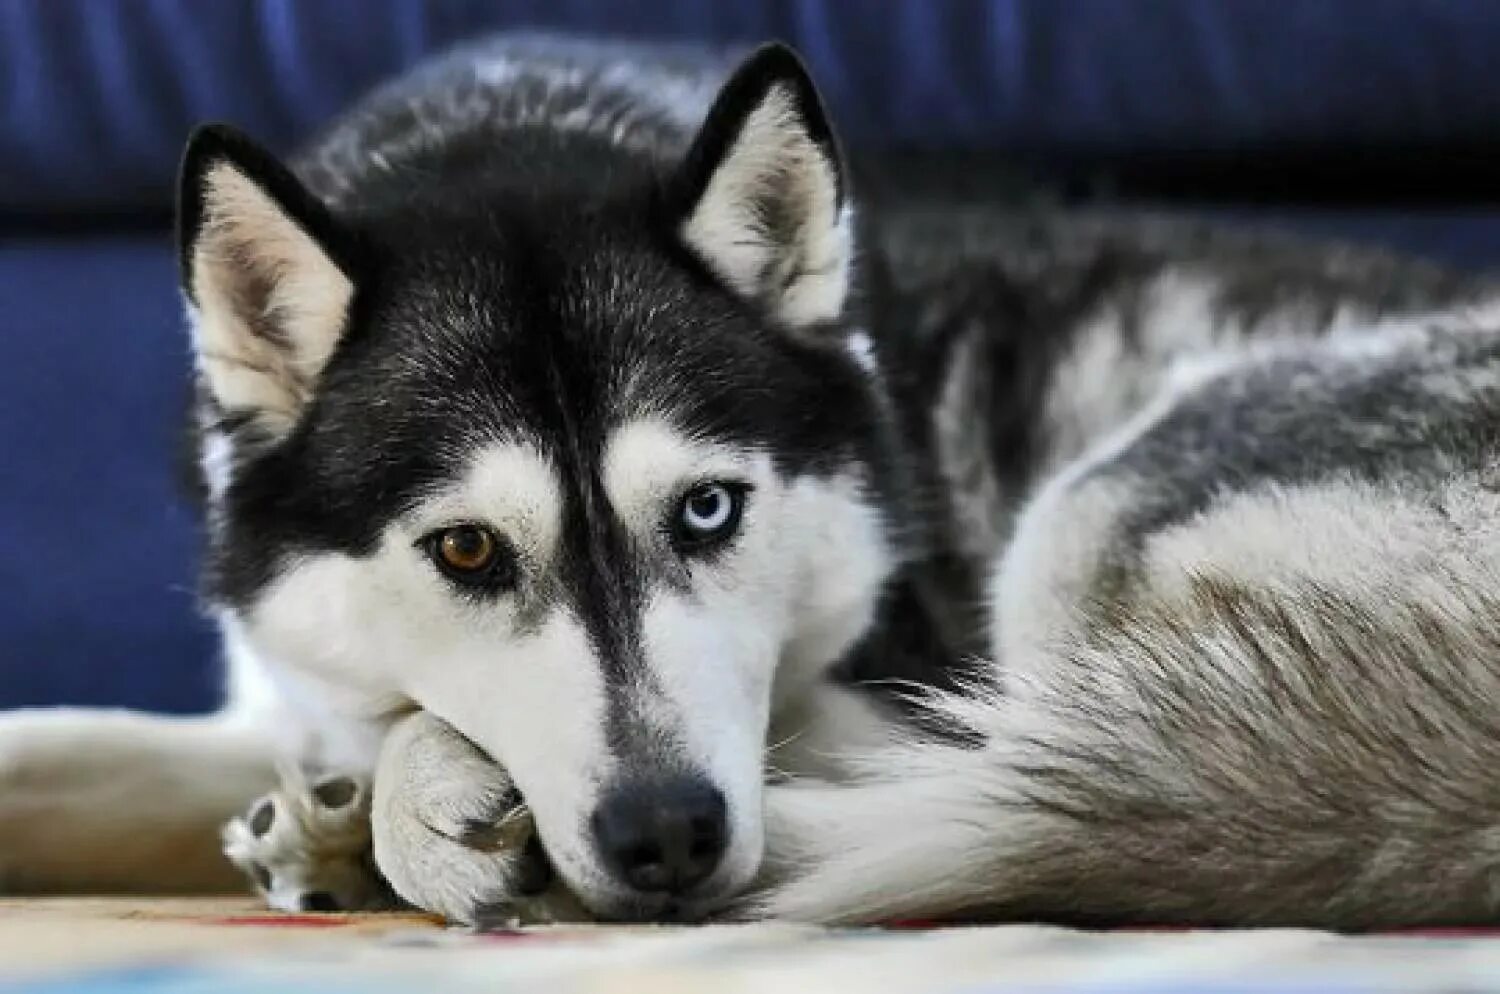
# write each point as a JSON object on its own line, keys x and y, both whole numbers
{"x": 662, "y": 836}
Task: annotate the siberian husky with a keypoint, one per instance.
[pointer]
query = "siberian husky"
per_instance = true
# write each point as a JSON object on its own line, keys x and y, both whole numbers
{"x": 570, "y": 476}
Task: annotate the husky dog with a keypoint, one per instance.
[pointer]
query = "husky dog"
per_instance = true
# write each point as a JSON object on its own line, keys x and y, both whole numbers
{"x": 530, "y": 428}
{"x": 566, "y": 470}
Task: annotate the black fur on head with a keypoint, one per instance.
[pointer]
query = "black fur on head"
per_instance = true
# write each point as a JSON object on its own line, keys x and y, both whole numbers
{"x": 536, "y": 282}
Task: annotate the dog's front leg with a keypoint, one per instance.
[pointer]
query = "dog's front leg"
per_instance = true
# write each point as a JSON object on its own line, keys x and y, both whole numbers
{"x": 306, "y": 845}
{"x": 95, "y": 801}
{"x": 452, "y": 835}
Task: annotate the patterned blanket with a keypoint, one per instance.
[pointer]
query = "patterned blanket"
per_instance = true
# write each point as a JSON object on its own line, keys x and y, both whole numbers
{"x": 229, "y": 947}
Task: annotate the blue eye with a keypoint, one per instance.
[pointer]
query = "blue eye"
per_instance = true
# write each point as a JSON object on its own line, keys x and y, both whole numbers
{"x": 709, "y": 514}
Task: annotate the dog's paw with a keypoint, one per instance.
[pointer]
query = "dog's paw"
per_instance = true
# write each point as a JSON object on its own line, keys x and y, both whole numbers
{"x": 306, "y": 845}
{"x": 453, "y": 835}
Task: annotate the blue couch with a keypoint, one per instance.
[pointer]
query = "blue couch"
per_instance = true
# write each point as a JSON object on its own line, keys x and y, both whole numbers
{"x": 1372, "y": 119}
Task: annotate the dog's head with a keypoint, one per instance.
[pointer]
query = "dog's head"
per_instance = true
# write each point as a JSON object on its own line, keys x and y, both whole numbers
{"x": 575, "y": 473}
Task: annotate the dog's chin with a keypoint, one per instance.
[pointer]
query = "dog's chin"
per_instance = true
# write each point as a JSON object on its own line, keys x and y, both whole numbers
{"x": 663, "y": 908}
{"x": 614, "y": 904}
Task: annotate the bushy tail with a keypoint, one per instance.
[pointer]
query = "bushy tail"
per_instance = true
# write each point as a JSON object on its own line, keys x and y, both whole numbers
{"x": 1233, "y": 756}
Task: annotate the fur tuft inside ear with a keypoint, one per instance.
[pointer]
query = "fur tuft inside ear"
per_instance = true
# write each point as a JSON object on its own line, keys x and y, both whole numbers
{"x": 766, "y": 208}
{"x": 268, "y": 301}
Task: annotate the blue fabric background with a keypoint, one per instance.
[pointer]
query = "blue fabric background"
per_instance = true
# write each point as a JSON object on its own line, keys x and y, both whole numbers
{"x": 95, "y": 95}
{"x": 96, "y": 547}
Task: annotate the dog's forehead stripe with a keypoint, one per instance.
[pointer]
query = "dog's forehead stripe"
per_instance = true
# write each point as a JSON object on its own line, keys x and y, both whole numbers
{"x": 604, "y": 575}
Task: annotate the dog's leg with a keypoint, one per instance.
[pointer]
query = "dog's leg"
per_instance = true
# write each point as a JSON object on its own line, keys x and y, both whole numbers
{"x": 305, "y": 846}
{"x": 99, "y": 801}
{"x": 453, "y": 836}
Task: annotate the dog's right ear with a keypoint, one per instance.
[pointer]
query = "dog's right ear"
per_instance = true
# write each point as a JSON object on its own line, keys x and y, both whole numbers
{"x": 267, "y": 282}
{"x": 761, "y": 193}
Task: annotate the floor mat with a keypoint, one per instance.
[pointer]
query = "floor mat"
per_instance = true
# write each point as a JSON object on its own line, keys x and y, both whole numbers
{"x": 109, "y": 946}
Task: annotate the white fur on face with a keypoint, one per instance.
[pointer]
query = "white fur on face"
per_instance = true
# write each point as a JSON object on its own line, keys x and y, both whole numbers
{"x": 519, "y": 674}
{"x": 648, "y": 464}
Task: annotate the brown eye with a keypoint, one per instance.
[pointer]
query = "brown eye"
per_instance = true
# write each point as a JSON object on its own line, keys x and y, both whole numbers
{"x": 467, "y": 549}
{"x": 473, "y": 558}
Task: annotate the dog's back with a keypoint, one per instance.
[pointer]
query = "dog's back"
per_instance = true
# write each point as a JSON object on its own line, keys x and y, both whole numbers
{"x": 1016, "y": 340}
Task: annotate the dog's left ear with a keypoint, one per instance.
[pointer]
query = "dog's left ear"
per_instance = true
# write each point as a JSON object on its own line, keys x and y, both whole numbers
{"x": 762, "y": 193}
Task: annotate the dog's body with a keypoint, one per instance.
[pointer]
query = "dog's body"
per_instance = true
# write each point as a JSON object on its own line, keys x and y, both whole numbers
{"x": 1244, "y": 636}
{"x": 531, "y": 411}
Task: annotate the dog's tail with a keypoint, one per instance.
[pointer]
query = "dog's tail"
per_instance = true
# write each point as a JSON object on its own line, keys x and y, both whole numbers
{"x": 1233, "y": 756}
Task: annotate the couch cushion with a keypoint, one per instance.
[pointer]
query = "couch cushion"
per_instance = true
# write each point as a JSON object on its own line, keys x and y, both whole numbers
{"x": 96, "y": 545}
{"x": 96, "y": 96}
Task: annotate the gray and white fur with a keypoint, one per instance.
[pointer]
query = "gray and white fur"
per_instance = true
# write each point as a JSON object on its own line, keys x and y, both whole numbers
{"x": 1241, "y": 612}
